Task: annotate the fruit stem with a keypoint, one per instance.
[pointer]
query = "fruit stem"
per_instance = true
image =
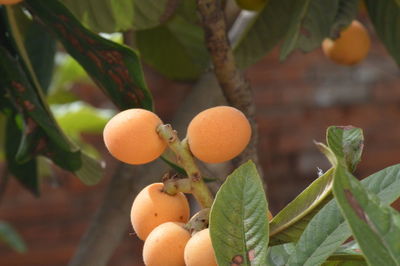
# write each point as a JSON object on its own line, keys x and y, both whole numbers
{"x": 185, "y": 158}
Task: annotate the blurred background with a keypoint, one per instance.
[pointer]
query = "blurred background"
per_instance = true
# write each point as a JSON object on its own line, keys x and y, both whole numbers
{"x": 296, "y": 101}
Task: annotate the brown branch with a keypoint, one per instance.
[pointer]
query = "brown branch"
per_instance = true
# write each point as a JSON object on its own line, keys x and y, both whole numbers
{"x": 233, "y": 83}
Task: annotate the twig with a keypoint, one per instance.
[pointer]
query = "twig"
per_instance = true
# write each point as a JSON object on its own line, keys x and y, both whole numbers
{"x": 234, "y": 85}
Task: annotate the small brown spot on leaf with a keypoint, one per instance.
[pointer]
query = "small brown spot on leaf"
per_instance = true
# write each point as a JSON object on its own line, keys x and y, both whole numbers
{"x": 237, "y": 259}
{"x": 29, "y": 106}
{"x": 18, "y": 86}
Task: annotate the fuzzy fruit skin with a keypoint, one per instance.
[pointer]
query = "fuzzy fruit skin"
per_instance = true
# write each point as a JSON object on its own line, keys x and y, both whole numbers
{"x": 131, "y": 136}
{"x": 199, "y": 250}
{"x": 9, "y": 2}
{"x": 351, "y": 47}
{"x": 165, "y": 245}
{"x": 153, "y": 207}
{"x": 218, "y": 134}
{"x": 252, "y": 5}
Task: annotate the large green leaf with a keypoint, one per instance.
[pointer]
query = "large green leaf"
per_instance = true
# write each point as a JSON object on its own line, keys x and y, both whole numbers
{"x": 375, "y": 227}
{"x": 289, "y": 223}
{"x": 266, "y": 29}
{"x": 115, "y": 68}
{"x": 328, "y": 229}
{"x": 238, "y": 219}
{"x": 113, "y": 16}
{"x": 385, "y": 15}
{"x": 10, "y": 237}
{"x": 310, "y": 25}
{"x": 182, "y": 54}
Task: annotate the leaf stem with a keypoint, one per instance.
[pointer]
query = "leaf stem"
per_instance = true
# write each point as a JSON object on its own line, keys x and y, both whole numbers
{"x": 194, "y": 182}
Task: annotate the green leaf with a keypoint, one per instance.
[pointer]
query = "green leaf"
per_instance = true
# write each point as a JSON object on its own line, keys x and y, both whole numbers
{"x": 289, "y": 223}
{"x": 103, "y": 15}
{"x": 26, "y": 173}
{"x": 345, "y": 255}
{"x": 385, "y": 15}
{"x": 79, "y": 117}
{"x": 115, "y": 68}
{"x": 279, "y": 254}
{"x": 347, "y": 12}
{"x": 347, "y": 144}
{"x": 328, "y": 229}
{"x": 151, "y": 13}
{"x": 112, "y": 16}
{"x": 375, "y": 227}
{"x": 10, "y": 237}
{"x": 310, "y": 26}
{"x": 182, "y": 55}
{"x": 263, "y": 33}
{"x": 238, "y": 219}
{"x": 347, "y": 262}
{"x": 41, "y": 49}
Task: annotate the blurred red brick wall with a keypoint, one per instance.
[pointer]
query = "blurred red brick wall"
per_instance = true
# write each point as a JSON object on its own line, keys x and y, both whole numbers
{"x": 296, "y": 101}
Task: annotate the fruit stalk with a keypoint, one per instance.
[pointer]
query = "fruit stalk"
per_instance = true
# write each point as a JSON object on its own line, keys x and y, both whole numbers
{"x": 184, "y": 157}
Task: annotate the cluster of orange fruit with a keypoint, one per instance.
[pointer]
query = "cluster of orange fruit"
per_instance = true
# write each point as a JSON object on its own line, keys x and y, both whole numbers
{"x": 159, "y": 219}
{"x": 215, "y": 135}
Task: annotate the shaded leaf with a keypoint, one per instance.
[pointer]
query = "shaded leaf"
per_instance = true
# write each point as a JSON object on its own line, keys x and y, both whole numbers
{"x": 310, "y": 25}
{"x": 328, "y": 229}
{"x": 41, "y": 49}
{"x": 238, "y": 218}
{"x": 26, "y": 173}
{"x": 290, "y": 222}
{"x": 115, "y": 68}
{"x": 182, "y": 55}
{"x": 10, "y": 237}
{"x": 103, "y": 15}
{"x": 385, "y": 15}
{"x": 375, "y": 227}
{"x": 113, "y": 16}
{"x": 263, "y": 33}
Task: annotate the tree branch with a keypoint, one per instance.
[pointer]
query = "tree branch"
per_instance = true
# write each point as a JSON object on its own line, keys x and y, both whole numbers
{"x": 234, "y": 85}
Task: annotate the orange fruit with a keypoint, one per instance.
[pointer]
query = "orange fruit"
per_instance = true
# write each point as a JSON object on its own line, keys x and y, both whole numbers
{"x": 153, "y": 207}
{"x": 351, "y": 47}
{"x": 131, "y": 136}
{"x": 199, "y": 250}
{"x": 165, "y": 245}
{"x": 218, "y": 134}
